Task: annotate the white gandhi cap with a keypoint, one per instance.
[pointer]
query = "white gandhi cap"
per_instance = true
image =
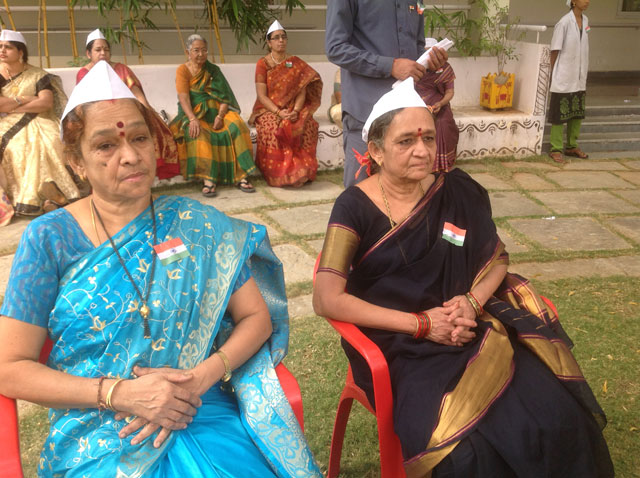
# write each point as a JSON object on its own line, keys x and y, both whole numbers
{"x": 101, "y": 83}
{"x": 402, "y": 96}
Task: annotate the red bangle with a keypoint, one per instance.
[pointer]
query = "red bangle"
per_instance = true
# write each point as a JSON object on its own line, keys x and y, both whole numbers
{"x": 475, "y": 303}
{"x": 424, "y": 324}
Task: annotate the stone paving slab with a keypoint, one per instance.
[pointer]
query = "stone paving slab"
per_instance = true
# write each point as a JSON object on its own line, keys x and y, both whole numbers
{"x": 491, "y": 182}
{"x": 603, "y": 267}
{"x": 232, "y": 199}
{"x": 5, "y": 269}
{"x": 569, "y": 234}
{"x": 588, "y": 180}
{"x": 514, "y": 204}
{"x": 316, "y": 245}
{"x": 532, "y": 181}
{"x": 528, "y": 165}
{"x": 272, "y": 231}
{"x": 298, "y": 265}
{"x": 301, "y": 306}
{"x": 511, "y": 244}
{"x": 316, "y": 191}
{"x": 303, "y": 220}
{"x": 584, "y": 202}
{"x": 629, "y": 226}
{"x": 630, "y": 176}
{"x": 631, "y": 195}
{"x": 469, "y": 168}
{"x": 590, "y": 165}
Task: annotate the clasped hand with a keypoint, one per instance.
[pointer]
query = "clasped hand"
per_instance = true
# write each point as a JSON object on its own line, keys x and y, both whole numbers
{"x": 452, "y": 323}
{"x": 158, "y": 398}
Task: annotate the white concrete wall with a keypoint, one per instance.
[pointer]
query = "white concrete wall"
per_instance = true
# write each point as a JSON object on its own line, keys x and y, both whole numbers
{"x": 614, "y": 40}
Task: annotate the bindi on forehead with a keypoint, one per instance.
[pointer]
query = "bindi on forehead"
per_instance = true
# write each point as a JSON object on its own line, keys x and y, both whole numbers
{"x": 120, "y": 125}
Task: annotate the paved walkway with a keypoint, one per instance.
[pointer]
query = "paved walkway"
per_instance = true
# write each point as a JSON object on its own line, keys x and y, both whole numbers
{"x": 577, "y": 220}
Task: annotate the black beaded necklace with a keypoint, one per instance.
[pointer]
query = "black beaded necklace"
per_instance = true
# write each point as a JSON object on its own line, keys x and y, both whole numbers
{"x": 143, "y": 310}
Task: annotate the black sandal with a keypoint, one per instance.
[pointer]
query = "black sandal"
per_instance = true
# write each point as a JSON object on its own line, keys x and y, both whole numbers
{"x": 245, "y": 186}
{"x": 209, "y": 191}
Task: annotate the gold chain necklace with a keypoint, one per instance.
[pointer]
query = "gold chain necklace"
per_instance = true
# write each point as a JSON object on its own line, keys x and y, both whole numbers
{"x": 143, "y": 310}
{"x": 386, "y": 203}
{"x": 274, "y": 60}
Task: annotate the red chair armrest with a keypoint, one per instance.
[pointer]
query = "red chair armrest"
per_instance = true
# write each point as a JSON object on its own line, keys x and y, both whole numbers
{"x": 292, "y": 390}
{"x": 10, "y": 464}
{"x": 375, "y": 360}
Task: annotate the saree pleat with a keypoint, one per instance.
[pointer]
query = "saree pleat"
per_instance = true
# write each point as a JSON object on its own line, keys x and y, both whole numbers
{"x": 286, "y": 151}
{"x": 223, "y": 156}
{"x": 31, "y": 151}
{"x": 443, "y": 395}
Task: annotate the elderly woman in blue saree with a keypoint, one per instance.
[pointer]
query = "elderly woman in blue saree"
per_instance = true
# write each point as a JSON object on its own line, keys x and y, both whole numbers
{"x": 483, "y": 382}
{"x": 167, "y": 319}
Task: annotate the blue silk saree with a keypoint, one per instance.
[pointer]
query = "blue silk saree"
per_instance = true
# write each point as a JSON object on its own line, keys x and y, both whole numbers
{"x": 91, "y": 316}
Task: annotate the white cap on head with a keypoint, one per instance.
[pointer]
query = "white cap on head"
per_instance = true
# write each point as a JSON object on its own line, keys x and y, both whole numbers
{"x": 10, "y": 35}
{"x": 95, "y": 35}
{"x": 402, "y": 96}
{"x": 274, "y": 26}
{"x": 101, "y": 83}
{"x": 429, "y": 42}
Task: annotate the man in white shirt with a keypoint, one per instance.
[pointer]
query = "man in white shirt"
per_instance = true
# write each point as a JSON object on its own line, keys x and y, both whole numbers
{"x": 569, "y": 66}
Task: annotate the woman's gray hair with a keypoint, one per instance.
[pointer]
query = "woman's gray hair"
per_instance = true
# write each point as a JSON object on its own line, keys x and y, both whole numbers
{"x": 194, "y": 37}
{"x": 379, "y": 127}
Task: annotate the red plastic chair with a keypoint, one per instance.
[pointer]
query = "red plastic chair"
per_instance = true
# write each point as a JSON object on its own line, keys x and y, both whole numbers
{"x": 391, "y": 461}
{"x": 389, "y": 445}
{"x": 10, "y": 464}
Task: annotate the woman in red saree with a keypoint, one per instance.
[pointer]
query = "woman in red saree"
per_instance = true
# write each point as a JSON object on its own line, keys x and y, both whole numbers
{"x": 289, "y": 92}
{"x": 98, "y": 48}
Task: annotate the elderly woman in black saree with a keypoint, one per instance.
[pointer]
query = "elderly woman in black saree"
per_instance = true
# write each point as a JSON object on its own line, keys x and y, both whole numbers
{"x": 484, "y": 384}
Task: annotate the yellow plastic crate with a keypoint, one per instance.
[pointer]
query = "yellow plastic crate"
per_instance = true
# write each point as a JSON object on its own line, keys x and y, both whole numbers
{"x": 495, "y": 96}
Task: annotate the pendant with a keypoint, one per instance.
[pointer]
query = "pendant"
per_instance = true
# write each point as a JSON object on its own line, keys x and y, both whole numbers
{"x": 144, "y": 311}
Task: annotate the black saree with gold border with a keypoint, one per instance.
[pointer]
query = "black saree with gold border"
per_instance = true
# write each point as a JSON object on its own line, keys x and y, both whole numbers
{"x": 483, "y": 408}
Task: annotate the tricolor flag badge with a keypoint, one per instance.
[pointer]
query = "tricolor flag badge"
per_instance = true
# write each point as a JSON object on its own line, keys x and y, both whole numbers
{"x": 453, "y": 234}
{"x": 171, "y": 251}
{"x": 588, "y": 28}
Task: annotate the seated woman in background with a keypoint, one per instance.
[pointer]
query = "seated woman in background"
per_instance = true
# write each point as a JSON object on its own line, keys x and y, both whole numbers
{"x": 98, "y": 48}
{"x": 33, "y": 172}
{"x": 214, "y": 143}
{"x": 483, "y": 382}
{"x": 436, "y": 90}
{"x": 289, "y": 92}
{"x": 179, "y": 341}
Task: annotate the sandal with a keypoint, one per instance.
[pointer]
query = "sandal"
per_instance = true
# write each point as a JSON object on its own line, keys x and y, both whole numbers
{"x": 209, "y": 191}
{"x": 245, "y": 186}
{"x": 557, "y": 157}
{"x": 576, "y": 153}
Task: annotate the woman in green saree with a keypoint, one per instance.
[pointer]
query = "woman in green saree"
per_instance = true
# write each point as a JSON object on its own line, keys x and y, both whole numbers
{"x": 214, "y": 143}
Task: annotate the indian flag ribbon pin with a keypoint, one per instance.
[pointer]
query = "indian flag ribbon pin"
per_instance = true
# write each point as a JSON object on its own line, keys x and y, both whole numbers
{"x": 171, "y": 251}
{"x": 453, "y": 234}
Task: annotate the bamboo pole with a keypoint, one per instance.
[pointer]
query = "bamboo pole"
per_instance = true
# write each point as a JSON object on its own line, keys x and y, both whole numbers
{"x": 175, "y": 21}
{"x": 39, "y": 24}
{"x": 124, "y": 48}
{"x": 216, "y": 21}
{"x": 137, "y": 37}
{"x": 72, "y": 27}
{"x": 46, "y": 32}
{"x": 213, "y": 56}
{"x": 6, "y": 7}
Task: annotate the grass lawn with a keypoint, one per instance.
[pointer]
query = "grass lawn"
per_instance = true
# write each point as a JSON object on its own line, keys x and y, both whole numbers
{"x": 601, "y": 316}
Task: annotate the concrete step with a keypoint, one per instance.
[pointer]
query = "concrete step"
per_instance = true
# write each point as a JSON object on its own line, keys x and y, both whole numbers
{"x": 593, "y": 142}
{"x": 620, "y": 109}
{"x": 607, "y": 124}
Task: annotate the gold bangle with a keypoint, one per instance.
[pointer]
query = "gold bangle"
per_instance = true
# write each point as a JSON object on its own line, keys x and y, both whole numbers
{"x": 110, "y": 393}
{"x": 227, "y": 366}
{"x": 101, "y": 404}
